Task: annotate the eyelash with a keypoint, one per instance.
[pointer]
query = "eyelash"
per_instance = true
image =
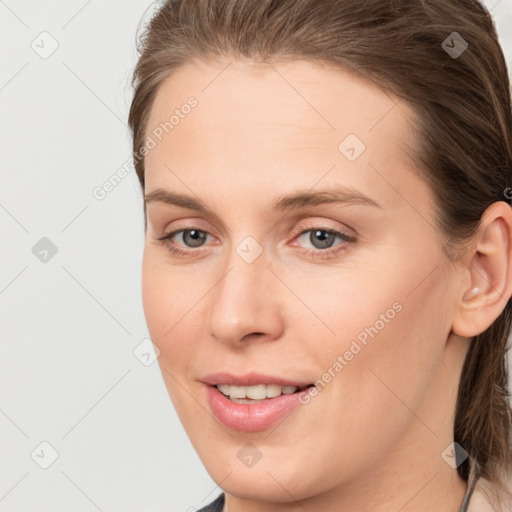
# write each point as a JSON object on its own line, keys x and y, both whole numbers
{"x": 316, "y": 253}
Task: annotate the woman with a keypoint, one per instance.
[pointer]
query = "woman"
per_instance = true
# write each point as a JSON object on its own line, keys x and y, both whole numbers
{"x": 327, "y": 268}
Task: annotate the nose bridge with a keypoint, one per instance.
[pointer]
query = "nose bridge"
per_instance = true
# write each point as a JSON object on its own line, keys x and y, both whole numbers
{"x": 244, "y": 300}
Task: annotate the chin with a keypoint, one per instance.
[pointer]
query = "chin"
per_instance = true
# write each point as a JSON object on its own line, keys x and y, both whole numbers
{"x": 262, "y": 487}
{"x": 274, "y": 479}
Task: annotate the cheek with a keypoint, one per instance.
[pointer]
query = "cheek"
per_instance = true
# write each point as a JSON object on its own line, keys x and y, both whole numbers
{"x": 155, "y": 298}
{"x": 380, "y": 380}
{"x": 402, "y": 359}
{"x": 388, "y": 336}
{"x": 166, "y": 300}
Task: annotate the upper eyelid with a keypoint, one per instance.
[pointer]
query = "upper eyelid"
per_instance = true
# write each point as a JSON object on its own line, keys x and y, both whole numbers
{"x": 298, "y": 231}
{"x": 175, "y": 232}
{"x": 315, "y": 224}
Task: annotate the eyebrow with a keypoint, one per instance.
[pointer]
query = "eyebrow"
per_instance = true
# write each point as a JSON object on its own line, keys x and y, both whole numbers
{"x": 299, "y": 199}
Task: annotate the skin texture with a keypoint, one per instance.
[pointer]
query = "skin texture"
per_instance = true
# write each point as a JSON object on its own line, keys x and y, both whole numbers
{"x": 372, "y": 439}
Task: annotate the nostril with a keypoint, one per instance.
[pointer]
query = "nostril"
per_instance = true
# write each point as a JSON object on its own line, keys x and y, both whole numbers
{"x": 252, "y": 334}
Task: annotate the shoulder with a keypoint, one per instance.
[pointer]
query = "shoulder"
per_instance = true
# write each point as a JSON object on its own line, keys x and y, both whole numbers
{"x": 214, "y": 506}
{"x": 479, "y": 501}
{"x": 482, "y": 498}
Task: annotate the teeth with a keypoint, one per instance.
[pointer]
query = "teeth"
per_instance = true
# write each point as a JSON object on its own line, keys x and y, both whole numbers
{"x": 274, "y": 390}
{"x": 223, "y": 388}
{"x": 257, "y": 392}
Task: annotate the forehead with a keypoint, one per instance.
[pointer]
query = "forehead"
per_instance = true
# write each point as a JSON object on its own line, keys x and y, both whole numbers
{"x": 300, "y": 96}
{"x": 258, "y": 122}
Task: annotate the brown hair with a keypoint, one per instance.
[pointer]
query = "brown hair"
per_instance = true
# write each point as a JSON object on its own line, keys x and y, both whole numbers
{"x": 463, "y": 129}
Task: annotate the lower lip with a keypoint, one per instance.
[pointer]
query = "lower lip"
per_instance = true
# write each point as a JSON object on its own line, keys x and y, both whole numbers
{"x": 250, "y": 417}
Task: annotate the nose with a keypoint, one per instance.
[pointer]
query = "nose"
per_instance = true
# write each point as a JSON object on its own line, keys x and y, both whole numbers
{"x": 246, "y": 304}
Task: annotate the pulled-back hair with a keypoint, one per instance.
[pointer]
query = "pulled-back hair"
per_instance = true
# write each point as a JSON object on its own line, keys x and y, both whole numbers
{"x": 463, "y": 131}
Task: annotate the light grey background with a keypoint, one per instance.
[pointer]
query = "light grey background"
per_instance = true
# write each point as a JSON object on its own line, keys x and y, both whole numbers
{"x": 70, "y": 325}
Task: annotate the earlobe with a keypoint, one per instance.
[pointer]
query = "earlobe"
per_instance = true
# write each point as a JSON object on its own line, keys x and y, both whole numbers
{"x": 490, "y": 271}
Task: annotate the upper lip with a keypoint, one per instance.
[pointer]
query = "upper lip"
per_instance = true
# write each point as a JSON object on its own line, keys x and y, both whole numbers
{"x": 250, "y": 379}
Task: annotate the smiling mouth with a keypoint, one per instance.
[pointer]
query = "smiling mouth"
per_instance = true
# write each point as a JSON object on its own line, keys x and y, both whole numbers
{"x": 257, "y": 393}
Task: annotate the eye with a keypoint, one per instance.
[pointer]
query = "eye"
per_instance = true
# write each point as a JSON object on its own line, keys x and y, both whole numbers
{"x": 322, "y": 240}
{"x": 193, "y": 238}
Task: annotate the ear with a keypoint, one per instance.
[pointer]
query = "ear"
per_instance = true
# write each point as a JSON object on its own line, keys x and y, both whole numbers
{"x": 487, "y": 283}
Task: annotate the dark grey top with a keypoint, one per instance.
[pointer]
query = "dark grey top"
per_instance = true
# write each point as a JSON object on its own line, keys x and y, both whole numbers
{"x": 218, "y": 504}
{"x": 215, "y": 506}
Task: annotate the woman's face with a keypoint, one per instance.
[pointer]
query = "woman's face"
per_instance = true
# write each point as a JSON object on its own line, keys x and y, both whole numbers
{"x": 309, "y": 255}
